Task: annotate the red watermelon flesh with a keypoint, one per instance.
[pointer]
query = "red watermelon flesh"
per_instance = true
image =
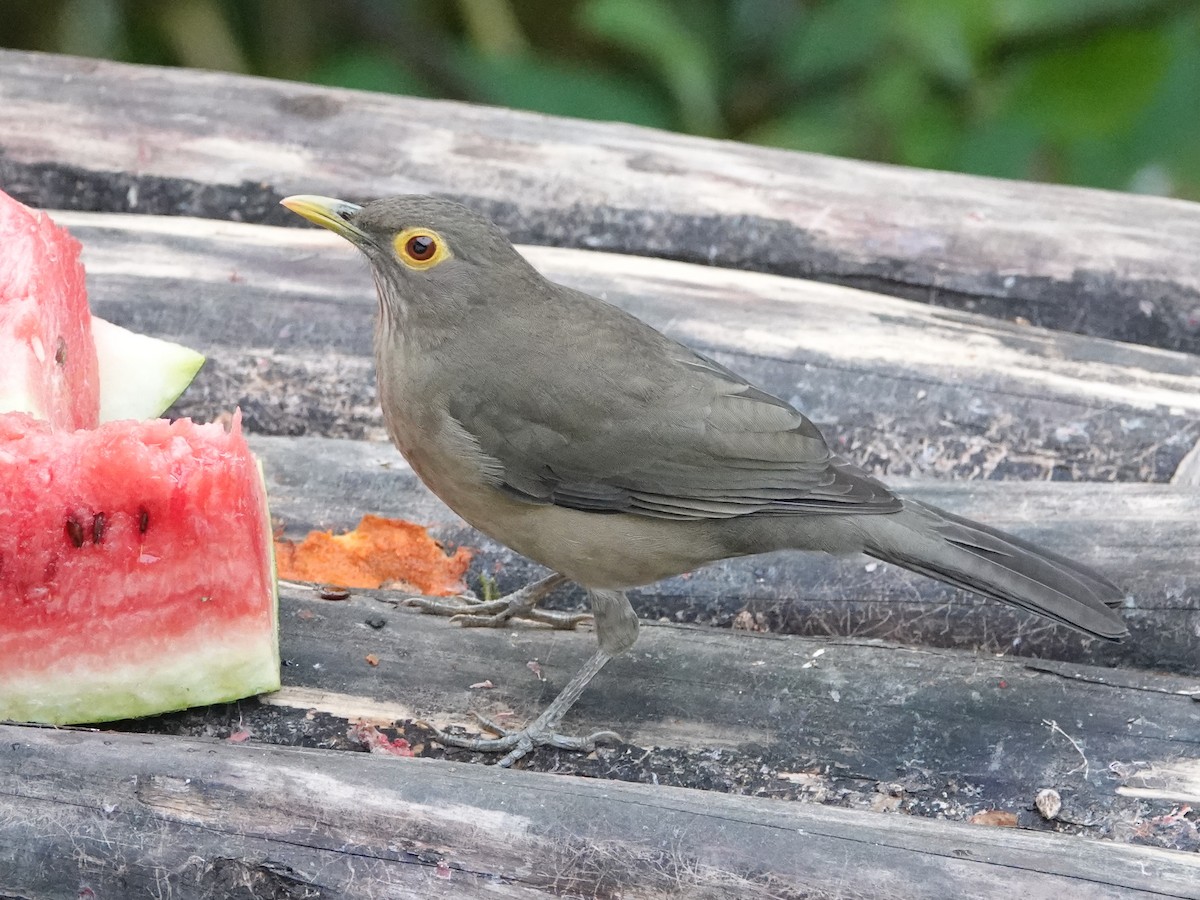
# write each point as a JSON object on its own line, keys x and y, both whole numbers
{"x": 48, "y": 357}
{"x": 136, "y": 570}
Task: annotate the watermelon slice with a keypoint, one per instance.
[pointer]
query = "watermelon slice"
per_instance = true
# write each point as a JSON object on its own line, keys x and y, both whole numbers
{"x": 59, "y": 363}
{"x": 48, "y": 364}
{"x": 136, "y": 570}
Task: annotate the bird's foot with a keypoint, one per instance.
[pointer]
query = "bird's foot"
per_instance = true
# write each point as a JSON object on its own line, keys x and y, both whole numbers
{"x": 516, "y": 744}
{"x": 523, "y": 604}
{"x": 541, "y": 731}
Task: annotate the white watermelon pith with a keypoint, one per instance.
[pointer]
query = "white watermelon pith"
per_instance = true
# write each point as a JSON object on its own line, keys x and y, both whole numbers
{"x": 136, "y": 574}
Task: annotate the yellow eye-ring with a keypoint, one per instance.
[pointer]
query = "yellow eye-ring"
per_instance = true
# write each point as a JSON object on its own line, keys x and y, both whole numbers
{"x": 420, "y": 248}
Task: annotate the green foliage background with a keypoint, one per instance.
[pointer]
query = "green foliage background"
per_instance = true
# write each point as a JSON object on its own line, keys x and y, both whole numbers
{"x": 1093, "y": 92}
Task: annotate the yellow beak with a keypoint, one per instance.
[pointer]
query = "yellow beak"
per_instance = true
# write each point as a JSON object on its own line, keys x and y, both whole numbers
{"x": 327, "y": 212}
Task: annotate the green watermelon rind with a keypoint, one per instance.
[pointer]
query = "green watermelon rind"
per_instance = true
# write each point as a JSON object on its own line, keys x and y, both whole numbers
{"x": 197, "y": 678}
{"x": 140, "y": 376}
{"x": 226, "y": 668}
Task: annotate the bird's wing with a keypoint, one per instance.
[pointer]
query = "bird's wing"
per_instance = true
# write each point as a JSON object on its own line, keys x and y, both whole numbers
{"x": 677, "y": 436}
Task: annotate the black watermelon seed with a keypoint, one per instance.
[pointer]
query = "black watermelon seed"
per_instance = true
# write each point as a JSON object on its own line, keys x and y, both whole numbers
{"x": 97, "y": 528}
{"x": 75, "y": 532}
{"x": 60, "y": 352}
{"x": 143, "y": 521}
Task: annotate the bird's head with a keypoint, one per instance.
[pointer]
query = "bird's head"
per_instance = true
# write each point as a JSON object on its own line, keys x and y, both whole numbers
{"x": 423, "y": 251}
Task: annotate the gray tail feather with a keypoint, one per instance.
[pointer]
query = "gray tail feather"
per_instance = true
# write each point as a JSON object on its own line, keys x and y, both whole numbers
{"x": 977, "y": 558}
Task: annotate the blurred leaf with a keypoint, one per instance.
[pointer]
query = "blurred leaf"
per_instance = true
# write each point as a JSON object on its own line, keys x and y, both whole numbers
{"x": 1099, "y": 163}
{"x": 764, "y": 27}
{"x": 1000, "y": 148}
{"x": 1167, "y": 130}
{"x": 1025, "y": 18}
{"x": 1155, "y": 179}
{"x": 367, "y": 70}
{"x": 90, "y": 28}
{"x": 651, "y": 30}
{"x": 830, "y": 128}
{"x": 1092, "y": 89}
{"x": 946, "y": 35}
{"x": 835, "y": 36}
{"x": 200, "y": 35}
{"x": 931, "y": 137}
{"x": 917, "y": 126}
{"x": 525, "y": 82}
{"x": 1160, "y": 151}
{"x": 895, "y": 92}
{"x": 493, "y": 27}
{"x": 283, "y": 44}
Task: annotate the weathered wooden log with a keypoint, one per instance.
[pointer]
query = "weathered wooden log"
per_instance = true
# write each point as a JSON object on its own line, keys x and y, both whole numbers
{"x": 947, "y": 733}
{"x": 103, "y": 136}
{"x": 868, "y": 727}
{"x": 902, "y": 388}
{"x": 1144, "y": 536}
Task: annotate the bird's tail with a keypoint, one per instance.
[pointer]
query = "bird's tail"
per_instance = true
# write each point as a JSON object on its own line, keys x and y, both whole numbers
{"x": 977, "y": 558}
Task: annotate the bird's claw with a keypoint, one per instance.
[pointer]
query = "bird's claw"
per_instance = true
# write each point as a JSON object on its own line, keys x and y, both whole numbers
{"x": 469, "y": 612}
{"x": 453, "y": 606}
{"x": 560, "y": 621}
{"x": 516, "y": 744}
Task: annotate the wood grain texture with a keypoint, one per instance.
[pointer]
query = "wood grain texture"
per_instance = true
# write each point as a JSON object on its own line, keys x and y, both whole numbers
{"x": 902, "y": 388}
{"x": 1145, "y": 537}
{"x": 854, "y": 722}
{"x": 150, "y": 815}
{"x": 110, "y": 137}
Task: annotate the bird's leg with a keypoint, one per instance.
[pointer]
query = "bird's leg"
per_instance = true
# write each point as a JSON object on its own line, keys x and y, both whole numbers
{"x": 520, "y": 604}
{"x": 616, "y": 631}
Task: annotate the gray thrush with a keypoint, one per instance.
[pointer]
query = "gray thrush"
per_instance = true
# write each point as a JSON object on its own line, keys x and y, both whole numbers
{"x": 586, "y": 440}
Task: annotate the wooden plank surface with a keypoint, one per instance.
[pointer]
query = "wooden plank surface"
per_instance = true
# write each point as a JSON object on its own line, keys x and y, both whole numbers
{"x": 110, "y": 137}
{"x": 1147, "y": 538}
{"x": 286, "y": 317}
{"x": 902, "y": 388}
{"x": 188, "y": 818}
{"x": 852, "y": 722}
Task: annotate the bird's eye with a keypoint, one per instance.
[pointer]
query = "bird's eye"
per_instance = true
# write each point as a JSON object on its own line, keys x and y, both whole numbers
{"x": 420, "y": 248}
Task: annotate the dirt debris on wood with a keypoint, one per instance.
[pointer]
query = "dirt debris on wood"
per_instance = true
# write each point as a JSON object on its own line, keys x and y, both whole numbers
{"x": 795, "y": 777}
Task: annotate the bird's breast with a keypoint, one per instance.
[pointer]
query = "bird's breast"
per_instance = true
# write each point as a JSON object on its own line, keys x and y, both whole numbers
{"x": 595, "y": 550}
